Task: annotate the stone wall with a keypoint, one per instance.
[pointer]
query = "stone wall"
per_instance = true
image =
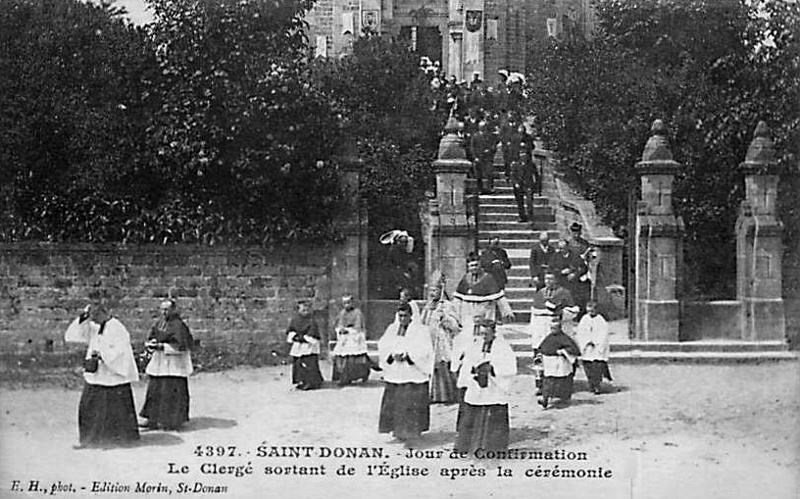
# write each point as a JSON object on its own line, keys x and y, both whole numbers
{"x": 233, "y": 298}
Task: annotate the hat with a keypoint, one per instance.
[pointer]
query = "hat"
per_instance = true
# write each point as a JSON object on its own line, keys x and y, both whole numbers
{"x": 391, "y": 236}
{"x": 576, "y": 227}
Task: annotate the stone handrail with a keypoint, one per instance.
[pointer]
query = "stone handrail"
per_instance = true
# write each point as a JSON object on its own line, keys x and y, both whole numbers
{"x": 578, "y": 209}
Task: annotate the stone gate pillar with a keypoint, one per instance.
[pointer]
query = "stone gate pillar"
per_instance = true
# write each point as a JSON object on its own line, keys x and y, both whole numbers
{"x": 658, "y": 242}
{"x": 449, "y": 237}
{"x": 349, "y": 258}
{"x": 759, "y": 245}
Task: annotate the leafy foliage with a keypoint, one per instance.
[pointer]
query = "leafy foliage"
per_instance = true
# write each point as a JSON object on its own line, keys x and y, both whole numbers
{"x": 204, "y": 129}
{"x": 711, "y": 70}
{"x": 241, "y": 129}
{"x": 385, "y": 101}
{"x": 73, "y": 120}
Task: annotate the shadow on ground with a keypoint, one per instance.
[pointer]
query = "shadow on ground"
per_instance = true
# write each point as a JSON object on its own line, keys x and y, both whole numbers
{"x": 435, "y": 439}
{"x": 525, "y": 434}
{"x": 158, "y": 439}
{"x": 581, "y": 385}
{"x": 370, "y": 383}
{"x": 205, "y": 423}
{"x": 560, "y": 405}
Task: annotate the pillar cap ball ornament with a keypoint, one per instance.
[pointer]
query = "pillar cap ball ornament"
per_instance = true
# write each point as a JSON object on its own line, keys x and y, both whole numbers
{"x": 760, "y": 158}
{"x": 657, "y": 156}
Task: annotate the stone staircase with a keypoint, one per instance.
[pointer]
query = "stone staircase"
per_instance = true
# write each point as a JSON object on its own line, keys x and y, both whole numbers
{"x": 498, "y": 217}
{"x": 627, "y": 351}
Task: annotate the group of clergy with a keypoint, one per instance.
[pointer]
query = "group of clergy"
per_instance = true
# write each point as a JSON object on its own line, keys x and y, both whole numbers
{"x": 450, "y": 352}
{"x": 557, "y": 343}
{"x": 433, "y": 357}
{"x": 106, "y": 413}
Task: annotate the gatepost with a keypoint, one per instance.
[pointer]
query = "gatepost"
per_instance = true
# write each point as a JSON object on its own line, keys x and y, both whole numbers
{"x": 349, "y": 256}
{"x": 758, "y": 244}
{"x": 658, "y": 242}
{"x": 449, "y": 236}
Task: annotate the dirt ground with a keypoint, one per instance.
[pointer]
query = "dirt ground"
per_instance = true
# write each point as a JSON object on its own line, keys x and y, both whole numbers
{"x": 663, "y": 431}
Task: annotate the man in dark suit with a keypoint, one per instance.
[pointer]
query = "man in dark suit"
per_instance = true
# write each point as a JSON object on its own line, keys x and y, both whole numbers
{"x": 541, "y": 253}
{"x": 569, "y": 269}
{"x": 523, "y": 180}
{"x": 576, "y": 241}
{"x": 510, "y": 138}
{"x": 483, "y": 146}
{"x": 494, "y": 260}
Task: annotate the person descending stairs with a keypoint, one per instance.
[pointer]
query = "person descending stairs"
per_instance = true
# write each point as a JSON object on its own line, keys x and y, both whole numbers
{"x": 498, "y": 217}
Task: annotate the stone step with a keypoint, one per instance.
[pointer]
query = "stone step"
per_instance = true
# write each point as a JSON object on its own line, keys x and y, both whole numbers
{"x": 521, "y": 293}
{"x": 626, "y": 357}
{"x": 506, "y": 189}
{"x": 726, "y": 346}
{"x": 510, "y": 214}
{"x": 523, "y": 316}
{"x": 633, "y": 348}
{"x": 526, "y": 233}
{"x": 518, "y": 282}
{"x": 521, "y": 255}
{"x": 501, "y": 198}
{"x": 521, "y": 308}
{"x": 525, "y": 361}
{"x": 520, "y": 342}
{"x": 513, "y": 224}
{"x": 519, "y": 260}
{"x": 485, "y": 226}
{"x": 518, "y": 250}
{"x": 527, "y": 242}
{"x": 500, "y": 184}
{"x": 521, "y": 305}
{"x": 511, "y": 208}
{"x": 521, "y": 269}
{"x": 506, "y": 199}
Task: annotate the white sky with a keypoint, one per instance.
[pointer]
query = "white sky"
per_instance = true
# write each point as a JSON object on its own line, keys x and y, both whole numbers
{"x": 137, "y": 10}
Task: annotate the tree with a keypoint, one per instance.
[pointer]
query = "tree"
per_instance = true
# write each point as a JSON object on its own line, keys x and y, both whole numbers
{"x": 386, "y": 103}
{"x": 242, "y": 131}
{"x": 709, "y": 71}
{"x": 73, "y": 120}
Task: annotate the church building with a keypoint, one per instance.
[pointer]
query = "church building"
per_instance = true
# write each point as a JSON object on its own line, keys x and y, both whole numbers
{"x": 466, "y": 37}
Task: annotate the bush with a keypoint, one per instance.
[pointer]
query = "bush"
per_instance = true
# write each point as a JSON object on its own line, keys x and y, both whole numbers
{"x": 706, "y": 68}
{"x": 205, "y": 129}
